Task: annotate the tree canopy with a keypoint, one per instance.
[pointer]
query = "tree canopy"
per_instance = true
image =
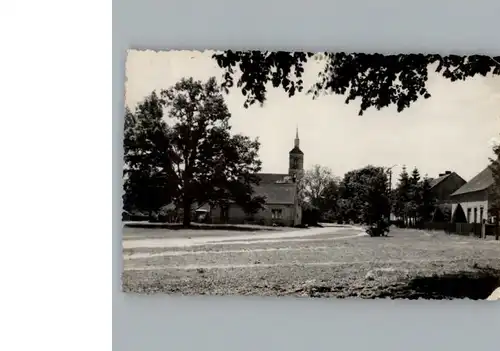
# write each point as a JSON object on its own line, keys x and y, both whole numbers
{"x": 377, "y": 80}
{"x": 313, "y": 184}
{"x": 190, "y": 157}
{"x": 147, "y": 156}
{"x": 319, "y": 190}
{"x": 365, "y": 198}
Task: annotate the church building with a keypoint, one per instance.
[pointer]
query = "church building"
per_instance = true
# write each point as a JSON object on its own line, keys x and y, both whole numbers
{"x": 280, "y": 191}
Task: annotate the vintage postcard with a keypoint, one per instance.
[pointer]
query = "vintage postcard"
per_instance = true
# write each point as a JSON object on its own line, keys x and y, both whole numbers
{"x": 311, "y": 174}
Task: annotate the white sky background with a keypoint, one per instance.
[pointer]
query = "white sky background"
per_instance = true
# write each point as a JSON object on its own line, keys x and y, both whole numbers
{"x": 453, "y": 130}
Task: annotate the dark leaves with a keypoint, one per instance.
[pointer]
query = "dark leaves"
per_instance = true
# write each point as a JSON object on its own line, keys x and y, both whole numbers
{"x": 258, "y": 68}
{"x": 148, "y": 158}
{"x": 376, "y": 80}
{"x": 364, "y": 195}
{"x": 495, "y": 189}
{"x": 193, "y": 157}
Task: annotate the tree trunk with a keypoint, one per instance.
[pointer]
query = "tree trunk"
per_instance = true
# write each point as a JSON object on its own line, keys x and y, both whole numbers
{"x": 186, "y": 221}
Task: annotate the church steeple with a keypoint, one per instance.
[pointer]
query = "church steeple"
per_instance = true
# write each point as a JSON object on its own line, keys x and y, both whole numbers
{"x": 297, "y": 140}
{"x": 296, "y": 158}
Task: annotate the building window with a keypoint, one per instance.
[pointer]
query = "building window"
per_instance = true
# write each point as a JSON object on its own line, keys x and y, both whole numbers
{"x": 276, "y": 213}
{"x": 481, "y": 215}
{"x": 475, "y": 214}
{"x": 468, "y": 215}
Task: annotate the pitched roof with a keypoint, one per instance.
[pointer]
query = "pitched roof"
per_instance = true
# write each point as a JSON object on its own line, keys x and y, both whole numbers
{"x": 270, "y": 178}
{"x": 482, "y": 181}
{"x": 436, "y": 181}
{"x": 277, "y": 193}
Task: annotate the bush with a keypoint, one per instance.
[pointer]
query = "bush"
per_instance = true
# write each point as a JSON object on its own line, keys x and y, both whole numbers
{"x": 379, "y": 228}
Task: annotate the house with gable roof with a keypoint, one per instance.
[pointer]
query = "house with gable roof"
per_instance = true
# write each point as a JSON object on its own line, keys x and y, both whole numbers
{"x": 472, "y": 201}
{"x": 442, "y": 187}
{"x": 446, "y": 184}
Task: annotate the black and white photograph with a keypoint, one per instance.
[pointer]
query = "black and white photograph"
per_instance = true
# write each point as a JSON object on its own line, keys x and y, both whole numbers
{"x": 325, "y": 175}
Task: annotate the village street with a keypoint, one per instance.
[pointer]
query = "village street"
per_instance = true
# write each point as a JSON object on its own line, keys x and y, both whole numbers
{"x": 332, "y": 261}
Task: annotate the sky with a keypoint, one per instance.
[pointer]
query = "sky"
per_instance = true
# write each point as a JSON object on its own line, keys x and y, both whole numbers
{"x": 453, "y": 130}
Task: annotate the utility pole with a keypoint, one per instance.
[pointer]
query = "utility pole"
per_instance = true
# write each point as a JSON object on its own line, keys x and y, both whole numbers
{"x": 389, "y": 170}
{"x": 390, "y": 180}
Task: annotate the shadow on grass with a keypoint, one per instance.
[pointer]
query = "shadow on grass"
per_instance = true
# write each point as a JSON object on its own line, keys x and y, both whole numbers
{"x": 475, "y": 285}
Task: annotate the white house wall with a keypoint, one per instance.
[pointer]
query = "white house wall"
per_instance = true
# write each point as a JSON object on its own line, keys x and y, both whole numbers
{"x": 471, "y": 205}
{"x": 470, "y": 201}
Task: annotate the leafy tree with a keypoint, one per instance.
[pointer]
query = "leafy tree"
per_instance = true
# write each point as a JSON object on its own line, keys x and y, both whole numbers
{"x": 328, "y": 203}
{"x": 128, "y": 195}
{"x": 231, "y": 181}
{"x": 317, "y": 183}
{"x": 209, "y": 163}
{"x": 194, "y": 159}
{"x": 495, "y": 189}
{"x": 377, "y": 80}
{"x": 365, "y": 197}
{"x": 147, "y": 158}
{"x": 345, "y": 210}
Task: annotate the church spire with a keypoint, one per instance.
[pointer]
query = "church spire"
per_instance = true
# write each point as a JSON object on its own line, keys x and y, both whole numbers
{"x": 296, "y": 158}
{"x": 297, "y": 140}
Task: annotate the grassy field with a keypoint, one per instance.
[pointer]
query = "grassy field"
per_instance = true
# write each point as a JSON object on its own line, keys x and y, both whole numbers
{"x": 328, "y": 262}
